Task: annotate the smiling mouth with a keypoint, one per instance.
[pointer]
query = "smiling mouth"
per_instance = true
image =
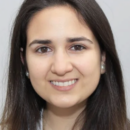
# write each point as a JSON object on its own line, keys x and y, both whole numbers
{"x": 64, "y": 86}
{"x": 66, "y": 83}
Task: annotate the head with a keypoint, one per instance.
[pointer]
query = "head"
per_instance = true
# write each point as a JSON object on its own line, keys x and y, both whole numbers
{"x": 63, "y": 40}
{"x": 61, "y": 47}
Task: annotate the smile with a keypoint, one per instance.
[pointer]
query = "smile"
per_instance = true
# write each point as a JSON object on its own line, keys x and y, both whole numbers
{"x": 64, "y": 86}
{"x": 67, "y": 83}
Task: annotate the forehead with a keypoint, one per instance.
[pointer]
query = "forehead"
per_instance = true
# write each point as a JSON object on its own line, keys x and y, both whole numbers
{"x": 57, "y": 22}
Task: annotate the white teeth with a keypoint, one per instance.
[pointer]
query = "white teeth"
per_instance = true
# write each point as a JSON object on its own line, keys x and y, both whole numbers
{"x": 56, "y": 83}
{"x": 68, "y": 83}
{"x": 65, "y": 84}
{"x": 60, "y": 84}
{"x": 73, "y": 81}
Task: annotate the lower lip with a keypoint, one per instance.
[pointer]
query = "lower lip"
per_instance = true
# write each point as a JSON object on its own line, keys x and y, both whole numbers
{"x": 64, "y": 88}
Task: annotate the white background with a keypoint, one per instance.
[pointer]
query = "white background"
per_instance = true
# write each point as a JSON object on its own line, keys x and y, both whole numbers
{"x": 118, "y": 14}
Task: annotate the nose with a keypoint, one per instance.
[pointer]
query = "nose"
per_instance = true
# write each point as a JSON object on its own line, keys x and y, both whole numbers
{"x": 61, "y": 64}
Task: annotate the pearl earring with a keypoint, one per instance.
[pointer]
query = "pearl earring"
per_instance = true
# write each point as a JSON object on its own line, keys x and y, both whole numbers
{"x": 103, "y": 67}
{"x": 27, "y": 74}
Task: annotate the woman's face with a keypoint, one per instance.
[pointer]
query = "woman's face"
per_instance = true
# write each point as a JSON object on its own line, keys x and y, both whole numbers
{"x": 61, "y": 48}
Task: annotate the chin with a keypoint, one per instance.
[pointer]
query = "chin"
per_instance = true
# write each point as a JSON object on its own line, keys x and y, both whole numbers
{"x": 64, "y": 105}
{"x": 64, "y": 102}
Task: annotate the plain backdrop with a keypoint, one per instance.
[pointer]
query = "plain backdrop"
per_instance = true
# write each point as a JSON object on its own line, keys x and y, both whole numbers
{"x": 118, "y": 14}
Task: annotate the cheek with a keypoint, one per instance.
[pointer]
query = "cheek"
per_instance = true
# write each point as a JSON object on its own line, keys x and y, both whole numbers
{"x": 37, "y": 67}
{"x": 89, "y": 67}
{"x": 88, "y": 64}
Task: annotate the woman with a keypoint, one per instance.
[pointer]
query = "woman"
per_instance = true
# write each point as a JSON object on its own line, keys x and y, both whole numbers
{"x": 64, "y": 71}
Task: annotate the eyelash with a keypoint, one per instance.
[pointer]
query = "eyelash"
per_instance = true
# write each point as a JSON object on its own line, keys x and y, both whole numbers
{"x": 44, "y": 47}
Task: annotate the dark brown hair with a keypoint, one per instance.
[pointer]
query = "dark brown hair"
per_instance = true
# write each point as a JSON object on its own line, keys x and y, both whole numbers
{"x": 106, "y": 107}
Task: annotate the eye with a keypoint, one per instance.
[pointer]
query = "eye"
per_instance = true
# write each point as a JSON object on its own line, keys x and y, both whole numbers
{"x": 77, "y": 47}
{"x": 43, "y": 50}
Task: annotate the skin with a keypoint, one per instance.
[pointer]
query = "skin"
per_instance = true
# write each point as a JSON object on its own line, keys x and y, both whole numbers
{"x": 60, "y": 61}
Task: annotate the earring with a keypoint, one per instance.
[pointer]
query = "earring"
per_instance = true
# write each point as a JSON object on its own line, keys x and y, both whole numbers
{"x": 103, "y": 66}
{"x": 27, "y": 74}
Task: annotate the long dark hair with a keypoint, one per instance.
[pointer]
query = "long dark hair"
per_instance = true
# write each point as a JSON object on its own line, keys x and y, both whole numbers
{"x": 106, "y": 107}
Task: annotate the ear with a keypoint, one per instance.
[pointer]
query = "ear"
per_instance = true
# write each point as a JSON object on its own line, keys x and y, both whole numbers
{"x": 103, "y": 64}
{"x": 21, "y": 55}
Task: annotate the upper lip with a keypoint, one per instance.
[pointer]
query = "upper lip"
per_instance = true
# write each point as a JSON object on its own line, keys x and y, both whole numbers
{"x": 63, "y": 80}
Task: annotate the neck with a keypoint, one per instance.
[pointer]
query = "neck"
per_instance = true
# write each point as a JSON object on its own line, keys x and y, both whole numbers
{"x": 56, "y": 118}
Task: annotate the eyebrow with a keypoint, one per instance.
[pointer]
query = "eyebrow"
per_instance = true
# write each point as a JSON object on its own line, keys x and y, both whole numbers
{"x": 70, "y": 40}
